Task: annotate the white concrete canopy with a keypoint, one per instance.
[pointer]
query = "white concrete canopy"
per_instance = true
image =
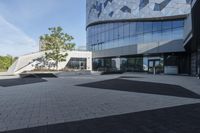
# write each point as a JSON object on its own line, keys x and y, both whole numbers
{"x": 30, "y": 61}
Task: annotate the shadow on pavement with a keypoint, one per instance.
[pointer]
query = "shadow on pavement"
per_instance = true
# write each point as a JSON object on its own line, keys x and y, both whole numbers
{"x": 38, "y": 75}
{"x": 180, "y": 119}
{"x": 142, "y": 87}
{"x": 20, "y": 81}
{"x": 129, "y": 77}
{"x": 27, "y": 78}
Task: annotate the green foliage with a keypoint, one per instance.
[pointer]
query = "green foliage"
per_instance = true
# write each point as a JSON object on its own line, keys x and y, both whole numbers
{"x": 6, "y": 62}
{"x": 56, "y": 44}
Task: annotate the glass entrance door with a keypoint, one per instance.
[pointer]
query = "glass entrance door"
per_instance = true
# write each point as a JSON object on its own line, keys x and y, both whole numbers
{"x": 153, "y": 66}
{"x": 82, "y": 65}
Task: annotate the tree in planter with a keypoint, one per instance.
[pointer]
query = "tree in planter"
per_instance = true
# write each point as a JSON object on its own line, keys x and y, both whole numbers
{"x": 56, "y": 44}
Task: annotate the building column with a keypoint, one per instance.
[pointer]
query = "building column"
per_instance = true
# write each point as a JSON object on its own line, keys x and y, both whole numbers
{"x": 198, "y": 63}
{"x": 118, "y": 64}
{"x": 89, "y": 63}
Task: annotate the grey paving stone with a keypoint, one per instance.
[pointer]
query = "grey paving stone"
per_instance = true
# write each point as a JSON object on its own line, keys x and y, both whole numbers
{"x": 60, "y": 100}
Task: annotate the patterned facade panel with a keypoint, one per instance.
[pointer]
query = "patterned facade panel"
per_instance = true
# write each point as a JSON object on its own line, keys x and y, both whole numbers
{"x": 105, "y": 10}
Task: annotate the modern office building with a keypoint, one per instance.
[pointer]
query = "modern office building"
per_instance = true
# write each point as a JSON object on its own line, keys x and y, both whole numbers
{"x": 192, "y": 37}
{"x": 138, "y": 35}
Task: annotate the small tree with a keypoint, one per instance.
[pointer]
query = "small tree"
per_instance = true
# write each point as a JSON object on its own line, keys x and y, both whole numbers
{"x": 6, "y": 62}
{"x": 56, "y": 44}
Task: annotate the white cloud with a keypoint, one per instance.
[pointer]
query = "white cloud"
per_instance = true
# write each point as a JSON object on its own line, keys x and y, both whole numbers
{"x": 24, "y": 11}
{"x": 14, "y": 41}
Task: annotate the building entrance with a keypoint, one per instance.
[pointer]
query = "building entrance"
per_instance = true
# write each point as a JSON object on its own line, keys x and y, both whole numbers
{"x": 154, "y": 66}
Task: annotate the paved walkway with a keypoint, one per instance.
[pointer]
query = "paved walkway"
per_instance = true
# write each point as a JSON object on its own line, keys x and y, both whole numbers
{"x": 62, "y": 101}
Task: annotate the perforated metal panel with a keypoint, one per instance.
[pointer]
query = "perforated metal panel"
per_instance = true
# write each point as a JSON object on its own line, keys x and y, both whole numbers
{"x": 102, "y": 10}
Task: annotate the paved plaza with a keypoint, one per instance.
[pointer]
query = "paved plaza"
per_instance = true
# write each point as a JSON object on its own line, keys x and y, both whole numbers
{"x": 126, "y": 103}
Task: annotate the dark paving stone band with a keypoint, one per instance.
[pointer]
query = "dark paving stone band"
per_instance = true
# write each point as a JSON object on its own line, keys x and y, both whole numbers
{"x": 129, "y": 77}
{"x": 38, "y": 75}
{"x": 20, "y": 81}
{"x": 180, "y": 119}
{"x": 143, "y": 87}
{"x": 26, "y": 78}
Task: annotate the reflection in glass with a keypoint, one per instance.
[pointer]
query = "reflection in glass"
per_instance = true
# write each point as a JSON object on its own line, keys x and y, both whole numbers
{"x": 77, "y": 63}
{"x": 112, "y": 35}
{"x": 130, "y": 64}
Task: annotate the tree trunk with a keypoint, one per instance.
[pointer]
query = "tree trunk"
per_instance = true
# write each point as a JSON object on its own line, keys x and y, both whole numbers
{"x": 57, "y": 65}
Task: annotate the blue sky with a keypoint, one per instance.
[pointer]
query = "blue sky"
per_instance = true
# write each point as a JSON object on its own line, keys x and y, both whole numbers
{"x": 23, "y": 21}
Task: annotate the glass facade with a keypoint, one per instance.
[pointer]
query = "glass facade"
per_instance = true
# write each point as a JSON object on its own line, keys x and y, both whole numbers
{"x": 151, "y": 64}
{"x": 118, "y": 34}
{"x": 77, "y": 63}
{"x": 130, "y": 64}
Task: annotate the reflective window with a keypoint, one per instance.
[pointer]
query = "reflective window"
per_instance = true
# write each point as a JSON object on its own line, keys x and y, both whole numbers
{"x": 148, "y": 27}
{"x": 157, "y": 26}
{"x": 126, "y": 29}
{"x": 121, "y": 31}
{"x": 148, "y": 37}
{"x": 167, "y": 25}
{"x": 112, "y": 35}
{"x": 116, "y": 32}
{"x": 132, "y": 29}
{"x": 139, "y": 27}
{"x": 156, "y": 36}
{"x": 177, "y": 24}
{"x": 77, "y": 63}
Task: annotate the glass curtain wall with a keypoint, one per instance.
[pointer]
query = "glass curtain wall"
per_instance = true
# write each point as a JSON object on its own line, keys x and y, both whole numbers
{"x": 150, "y": 64}
{"x": 112, "y": 35}
{"x": 128, "y": 64}
{"x": 77, "y": 63}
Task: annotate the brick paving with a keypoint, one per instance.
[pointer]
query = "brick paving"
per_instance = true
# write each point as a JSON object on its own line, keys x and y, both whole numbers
{"x": 60, "y": 100}
{"x": 143, "y": 87}
{"x": 180, "y": 119}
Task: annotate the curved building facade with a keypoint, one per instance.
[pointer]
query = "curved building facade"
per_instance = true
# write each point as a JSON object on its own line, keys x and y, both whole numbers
{"x": 137, "y": 35}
